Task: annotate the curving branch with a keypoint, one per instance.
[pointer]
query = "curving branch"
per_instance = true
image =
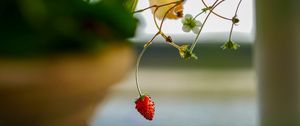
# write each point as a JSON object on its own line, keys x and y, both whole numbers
{"x": 215, "y": 12}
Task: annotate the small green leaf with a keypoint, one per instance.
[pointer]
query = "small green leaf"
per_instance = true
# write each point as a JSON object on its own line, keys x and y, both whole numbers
{"x": 185, "y": 52}
{"x": 230, "y": 45}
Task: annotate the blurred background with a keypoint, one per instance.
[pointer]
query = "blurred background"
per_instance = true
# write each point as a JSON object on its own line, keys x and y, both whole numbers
{"x": 59, "y": 59}
{"x": 218, "y": 89}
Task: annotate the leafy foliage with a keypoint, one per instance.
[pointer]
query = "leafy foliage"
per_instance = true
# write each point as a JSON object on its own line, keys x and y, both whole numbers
{"x": 43, "y": 27}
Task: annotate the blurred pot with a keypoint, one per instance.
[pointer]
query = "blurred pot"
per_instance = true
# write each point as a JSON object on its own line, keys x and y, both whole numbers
{"x": 59, "y": 91}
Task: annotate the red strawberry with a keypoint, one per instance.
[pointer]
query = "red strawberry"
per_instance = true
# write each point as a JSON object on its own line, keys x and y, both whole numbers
{"x": 145, "y": 106}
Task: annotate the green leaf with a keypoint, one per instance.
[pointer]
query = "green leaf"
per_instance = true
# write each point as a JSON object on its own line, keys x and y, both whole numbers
{"x": 230, "y": 45}
{"x": 44, "y": 27}
{"x": 130, "y": 5}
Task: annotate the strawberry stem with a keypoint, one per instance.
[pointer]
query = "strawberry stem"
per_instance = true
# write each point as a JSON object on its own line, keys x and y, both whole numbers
{"x": 138, "y": 63}
{"x": 215, "y": 12}
{"x": 158, "y": 33}
{"x": 234, "y": 17}
{"x": 137, "y": 70}
{"x": 215, "y": 4}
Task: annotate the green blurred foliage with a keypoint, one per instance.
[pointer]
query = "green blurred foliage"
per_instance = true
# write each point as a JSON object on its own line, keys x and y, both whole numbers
{"x": 45, "y": 27}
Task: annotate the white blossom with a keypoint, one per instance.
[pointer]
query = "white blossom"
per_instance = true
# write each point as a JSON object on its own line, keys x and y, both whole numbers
{"x": 190, "y": 24}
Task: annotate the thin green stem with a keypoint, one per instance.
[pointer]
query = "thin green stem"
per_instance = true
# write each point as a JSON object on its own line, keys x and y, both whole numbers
{"x": 138, "y": 63}
{"x": 137, "y": 70}
{"x": 197, "y": 37}
{"x": 150, "y": 42}
{"x": 174, "y": 45}
{"x": 215, "y": 12}
{"x": 230, "y": 33}
{"x": 198, "y": 15}
{"x": 161, "y": 25}
{"x": 162, "y": 21}
{"x": 238, "y": 6}
{"x": 155, "y": 21}
{"x": 235, "y": 15}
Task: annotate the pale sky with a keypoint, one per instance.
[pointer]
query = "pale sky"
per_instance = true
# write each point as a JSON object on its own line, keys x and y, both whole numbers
{"x": 214, "y": 24}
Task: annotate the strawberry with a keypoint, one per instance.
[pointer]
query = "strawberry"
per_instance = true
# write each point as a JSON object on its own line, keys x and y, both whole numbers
{"x": 145, "y": 106}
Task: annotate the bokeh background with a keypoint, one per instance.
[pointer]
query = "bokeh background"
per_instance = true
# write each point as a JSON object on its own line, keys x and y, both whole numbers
{"x": 58, "y": 60}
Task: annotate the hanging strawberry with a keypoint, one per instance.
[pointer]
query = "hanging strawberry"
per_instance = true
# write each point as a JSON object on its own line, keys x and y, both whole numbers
{"x": 145, "y": 106}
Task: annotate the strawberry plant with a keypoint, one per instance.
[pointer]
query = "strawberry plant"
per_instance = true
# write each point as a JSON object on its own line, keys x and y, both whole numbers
{"x": 173, "y": 9}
